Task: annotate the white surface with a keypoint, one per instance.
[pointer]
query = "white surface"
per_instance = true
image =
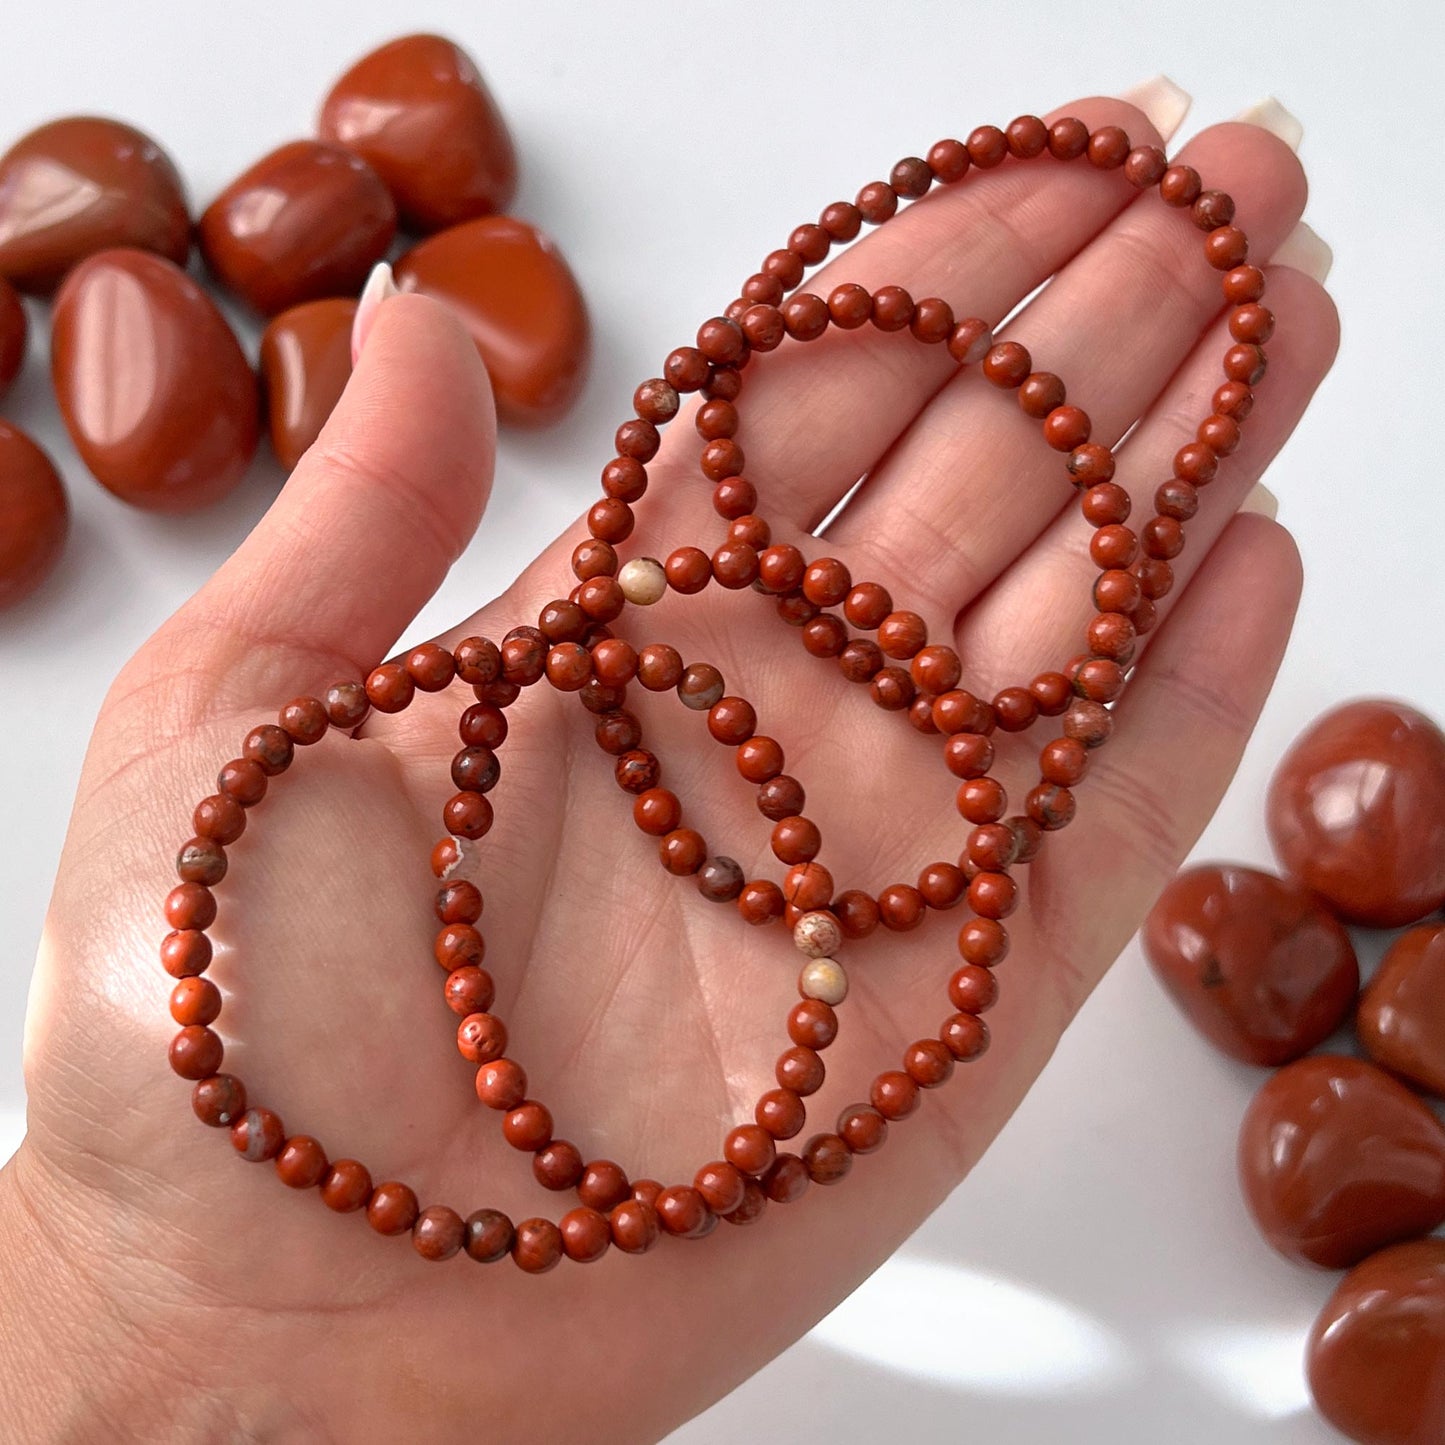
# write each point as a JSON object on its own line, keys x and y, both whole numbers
{"x": 1095, "y": 1280}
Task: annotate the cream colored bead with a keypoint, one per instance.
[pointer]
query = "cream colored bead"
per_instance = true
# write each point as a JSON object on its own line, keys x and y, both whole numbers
{"x": 824, "y": 980}
{"x": 817, "y": 934}
{"x": 642, "y": 581}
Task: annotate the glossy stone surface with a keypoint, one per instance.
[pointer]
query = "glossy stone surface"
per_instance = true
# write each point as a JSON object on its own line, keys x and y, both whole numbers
{"x": 1401, "y": 1021}
{"x": 14, "y": 328}
{"x": 419, "y": 112}
{"x": 520, "y": 302}
{"x": 1376, "y": 1354}
{"x": 1356, "y": 811}
{"x": 305, "y": 364}
{"x": 1337, "y": 1159}
{"x": 306, "y": 221}
{"x": 155, "y": 391}
{"x": 80, "y": 185}
{"x": 34, "y": 515}
{"x": 1253, "y": 961}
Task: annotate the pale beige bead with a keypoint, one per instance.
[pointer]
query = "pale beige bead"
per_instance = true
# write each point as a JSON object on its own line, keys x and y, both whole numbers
{"x": 817, "y": 934}
{"x": 642, "y": 580}
{"x": 824, "y": 980}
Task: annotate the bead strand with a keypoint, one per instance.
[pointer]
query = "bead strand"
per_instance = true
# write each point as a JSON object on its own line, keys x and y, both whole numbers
{"x": 574, "y": 648}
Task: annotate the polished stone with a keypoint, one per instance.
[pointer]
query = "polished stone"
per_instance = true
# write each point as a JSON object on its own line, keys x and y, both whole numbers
{"x": 307, "y": 221}
{"x": 154, "y": 388}
{"x": 418, "y": 111}
{"x": 1376, "y": 1354}
{"x": 1253, "y": 961}
{"x": 305, "y": 365}
{"x": 80, "y": 185}
{"x": 1356, "y": 811}
{"x": 14, "y": 331}
{"x": 519, "y": 300}
{"x": 1401, "y": 1021}
{"x": 34, "y": 515}
{"x": 1337, "y": 1159}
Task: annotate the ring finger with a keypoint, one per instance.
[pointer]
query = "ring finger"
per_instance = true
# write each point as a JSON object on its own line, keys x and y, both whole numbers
{"x": 1042, "y": 605}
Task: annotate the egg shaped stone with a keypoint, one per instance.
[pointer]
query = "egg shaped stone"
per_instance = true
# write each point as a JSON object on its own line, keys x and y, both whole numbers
{"x": 80, "y": 185}
{"x": 34, "y": 515}
{"x": 154, "y": 388}
{"x": 1376, "y": 1355}
{"x": 305, "y": 365}
{"x": 1253, "y": 961}
{"x": 1356, "y": 812}
{"x": 519, "y": 300}
{"x": 306, "y": 221}
{"x": 1338, "y": 1159}
{"x": 419, "y": 112}
{"x": 1401, "y": 1021}
{"x": 14, "y": 328}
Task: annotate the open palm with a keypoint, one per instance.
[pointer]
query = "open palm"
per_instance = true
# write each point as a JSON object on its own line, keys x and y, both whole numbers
{"x": 199, "y": 1299}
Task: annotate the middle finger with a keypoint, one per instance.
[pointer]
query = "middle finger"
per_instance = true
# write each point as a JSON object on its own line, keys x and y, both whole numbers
{"x": 971, "y": 483}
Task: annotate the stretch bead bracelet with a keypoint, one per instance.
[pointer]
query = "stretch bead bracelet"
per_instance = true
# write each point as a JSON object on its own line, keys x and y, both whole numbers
{"x": 574, "y": 648}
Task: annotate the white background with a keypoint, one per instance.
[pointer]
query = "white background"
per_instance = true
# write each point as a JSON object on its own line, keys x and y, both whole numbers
{"x": 1095, "y": 1280}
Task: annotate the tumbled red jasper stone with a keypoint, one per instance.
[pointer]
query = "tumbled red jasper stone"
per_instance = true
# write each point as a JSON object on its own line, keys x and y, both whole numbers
{"x": 156, "y": 393}
{"x": 34, "y": 515}
{"x": 14, "y": 328}
{"x": 1337, "y": 1159}
{"x": 84, "y": 184}
{"x": 519, "y": 300}
{"x": 418, "y": 110}
{"x": 308, "y": 220}
{"x": 1356, "y": 811}
{"x": 305, "y": 365}
{"x": 1376, "y": 1354}
{"x": 1253, "y": 961}
{"x": 1401, "y": 1020}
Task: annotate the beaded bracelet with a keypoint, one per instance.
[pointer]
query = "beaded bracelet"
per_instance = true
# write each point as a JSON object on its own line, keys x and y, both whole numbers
{"x": 574, "y": 648}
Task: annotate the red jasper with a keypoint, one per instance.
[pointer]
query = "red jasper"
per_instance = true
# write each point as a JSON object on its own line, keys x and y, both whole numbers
{"x": 1376, "y": 1354}
{"x": 418, "y": 111}
{"x": 14, "y": 328}
{"x": 1337, "y": 1159}
{"x": 1401, "y": 1020}
{"x": 1253, "y": 961}
{"x": 154, "y": 388}
{"x": 306, "y": 221}
{"x": 34, "y": 515}
{"x": 80, "y": 185}
{"x": 1356, "y": 812}
{"x": 516, "y": 295}
{"x": 305, "y": 365}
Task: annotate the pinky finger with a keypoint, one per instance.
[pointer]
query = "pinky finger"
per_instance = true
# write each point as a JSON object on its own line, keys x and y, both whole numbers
{"x": 1179, "y": 732}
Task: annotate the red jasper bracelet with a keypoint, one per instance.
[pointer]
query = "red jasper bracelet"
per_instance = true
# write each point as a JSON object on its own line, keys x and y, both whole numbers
{"x": 574, "y": 648}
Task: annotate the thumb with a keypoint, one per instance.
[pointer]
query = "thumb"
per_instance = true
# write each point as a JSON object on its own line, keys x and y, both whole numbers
{"x": 374, "y": 515}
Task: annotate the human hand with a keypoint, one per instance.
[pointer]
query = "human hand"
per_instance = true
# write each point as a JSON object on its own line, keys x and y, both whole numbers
{"x": 159, "y": 1287}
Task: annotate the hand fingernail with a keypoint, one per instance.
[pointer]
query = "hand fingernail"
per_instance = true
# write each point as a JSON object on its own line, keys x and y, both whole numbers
{"x": 1268, "y": 114}
{"x": 1261, "y": 500}
{"x": 379, "y": 286}
{"x": 1165, "y": 103}
{"x": 1304, "y": 251}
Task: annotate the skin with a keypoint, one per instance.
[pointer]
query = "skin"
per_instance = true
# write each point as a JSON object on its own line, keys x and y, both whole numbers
{"x": 154, "y": 1285}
